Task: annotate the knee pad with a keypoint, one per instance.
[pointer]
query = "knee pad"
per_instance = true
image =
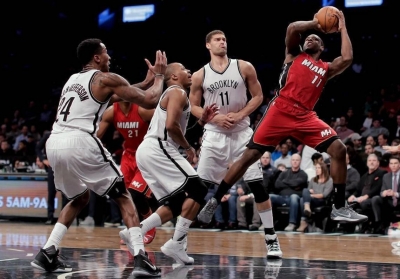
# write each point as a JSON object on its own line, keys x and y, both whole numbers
{"x": 257, "y": 188}
{"x": 117, "y": 190}
{"x": 196, "y": 189}
{"x": 175, "y": 203}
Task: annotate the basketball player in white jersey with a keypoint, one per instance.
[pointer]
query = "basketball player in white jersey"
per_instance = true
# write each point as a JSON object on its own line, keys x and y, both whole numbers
{"x": 170, "y": 176}
{"x": 225, "y": 81}
{"x": 79, "y": 160}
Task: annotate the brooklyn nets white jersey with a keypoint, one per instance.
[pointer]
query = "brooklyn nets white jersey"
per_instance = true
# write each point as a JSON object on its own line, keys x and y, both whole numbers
{"x": 173, "y": 170}
{"x": 228, "y": 91}
{"x": 78, "y": 109}
{"x": 157, "y": 125}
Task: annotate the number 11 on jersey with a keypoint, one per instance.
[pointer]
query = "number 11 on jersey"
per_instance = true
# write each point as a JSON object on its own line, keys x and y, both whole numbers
{"x": 315, "y": 79}
{"x": 222, "y": 98}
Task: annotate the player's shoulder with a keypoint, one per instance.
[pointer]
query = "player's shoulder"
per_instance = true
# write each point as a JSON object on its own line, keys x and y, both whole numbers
{"x": 198, "y": 76}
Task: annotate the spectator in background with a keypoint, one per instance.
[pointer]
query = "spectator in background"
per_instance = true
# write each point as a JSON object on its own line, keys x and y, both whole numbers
{"x": 353, "y": 177}
{"x": 285, "y": 158}
{"x": 290, "y": 185}
{"x": 22, "y": 136}
{"x": 375, "y": 130}
{"x": 319, "y": 189}
{"x": 270, "y": 173}
{"x": 342, "y": 130}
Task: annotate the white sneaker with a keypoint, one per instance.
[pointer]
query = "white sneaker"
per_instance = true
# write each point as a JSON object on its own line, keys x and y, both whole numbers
{"x": 126, "y": 238}
{"x": 273, "y": 247}
{"x": 176, "y": 250}
{"x": 89, "y": 221}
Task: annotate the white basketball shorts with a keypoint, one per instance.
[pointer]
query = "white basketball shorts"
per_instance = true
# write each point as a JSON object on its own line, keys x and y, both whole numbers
{"x": 218, "y": 150}
{"x": 165, "y": 170}
{"x": 79, "y": 162}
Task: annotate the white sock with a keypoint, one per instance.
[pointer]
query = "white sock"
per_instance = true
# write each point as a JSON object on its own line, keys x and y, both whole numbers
{"x": 152, "y": 221}
{"x": 266, "y": 218}
{"x": 136, "y": 239}
{"x": 56, "y": 236}
{"x": 181, "y": 228}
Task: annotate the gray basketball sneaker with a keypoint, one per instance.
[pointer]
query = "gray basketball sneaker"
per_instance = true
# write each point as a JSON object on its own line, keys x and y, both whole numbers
{"x": 206, "y": 214}
{"x": 347, "y": 214}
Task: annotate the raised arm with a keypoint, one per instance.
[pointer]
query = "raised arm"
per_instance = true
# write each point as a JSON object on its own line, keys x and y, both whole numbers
{"x": 110, "y": 83}
{"x": 196, "y": 93}
{"x": 293, "y": 36}
{"x": 342, "y": 62}
{"x": 106, "y": 121}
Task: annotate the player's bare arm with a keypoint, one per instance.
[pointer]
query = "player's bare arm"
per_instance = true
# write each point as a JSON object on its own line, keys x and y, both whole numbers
{"x": 105, "y": 84}
{"x": 146, "y": 114}
{"x": 250, "y": 75}
{"x": 106, "y": 120}
{"x": 293, "y": 37}
{"x": 196, "y": 93}
{"x": 342, "y": 62}
{"x": 147, "y": 82}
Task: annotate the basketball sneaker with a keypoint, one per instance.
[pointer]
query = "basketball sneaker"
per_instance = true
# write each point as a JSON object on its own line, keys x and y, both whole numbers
{"x": 47, "y": 260}
{"x": 126, "y": 237}
{"x": 208, "y": 211}
{"x": 347, "y": 214}
{"x": 143, "y": 267}
{"x": 273, "y": 247}
{"x": 149, "y": 236}
{"x": 176, "y": 250}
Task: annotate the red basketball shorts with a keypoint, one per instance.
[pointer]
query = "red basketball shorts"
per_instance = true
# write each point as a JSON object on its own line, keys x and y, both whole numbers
{"x": 285, "y": 119}
{"x": 132, "y": 176}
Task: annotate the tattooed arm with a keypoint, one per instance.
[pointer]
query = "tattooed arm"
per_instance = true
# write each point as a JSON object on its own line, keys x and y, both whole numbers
{"x": 106, "y": 84}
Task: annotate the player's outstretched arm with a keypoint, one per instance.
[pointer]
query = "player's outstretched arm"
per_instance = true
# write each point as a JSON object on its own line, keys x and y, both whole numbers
{"x": 196, "y": 93}
{"x": 121, "y": 87}
{"x": 344, "y": 61}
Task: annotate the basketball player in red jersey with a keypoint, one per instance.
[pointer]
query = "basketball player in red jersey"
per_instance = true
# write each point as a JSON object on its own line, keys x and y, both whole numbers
{"x": 290, "y": 113}
{"x": 132, "y": 122}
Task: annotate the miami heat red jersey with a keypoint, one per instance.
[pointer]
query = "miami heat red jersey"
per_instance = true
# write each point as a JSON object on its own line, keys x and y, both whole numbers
{"x": 131, "y": 126}
{"x": 302, "y": 80}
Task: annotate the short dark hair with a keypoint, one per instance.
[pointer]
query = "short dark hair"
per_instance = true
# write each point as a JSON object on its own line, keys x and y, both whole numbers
{"x": 86, "y": 49}
{"x": 212, "y": 33}
{"x": 316, "y": 156}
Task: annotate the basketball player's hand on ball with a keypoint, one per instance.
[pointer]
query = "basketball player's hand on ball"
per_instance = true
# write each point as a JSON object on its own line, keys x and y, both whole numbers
{"x": 160, "y": 65}
{"x": 190, "y": 154}
{"x": 318, "y": 26}
{"x": 209, "y": 113}
{"x": 342, "y": 23}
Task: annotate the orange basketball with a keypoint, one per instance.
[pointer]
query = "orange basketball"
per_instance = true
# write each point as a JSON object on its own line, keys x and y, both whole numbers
{"x": 328, "y": 20}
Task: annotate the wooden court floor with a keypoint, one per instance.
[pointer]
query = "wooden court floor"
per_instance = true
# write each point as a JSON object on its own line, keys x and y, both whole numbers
{"x": 95, "y": 252}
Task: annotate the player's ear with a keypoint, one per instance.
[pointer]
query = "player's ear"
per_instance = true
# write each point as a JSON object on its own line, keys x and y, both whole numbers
{"x": 208, "y": 45}
{"x": 96, "y": 58}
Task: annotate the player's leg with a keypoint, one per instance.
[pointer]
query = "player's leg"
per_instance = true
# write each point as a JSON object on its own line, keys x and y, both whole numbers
{"x": 214, "y": 158}
{"x": 320, "y": 136}
{"x": 69, "y": 183}
{"x": 105, "y": 178}
{"x": 172, "y": 183}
